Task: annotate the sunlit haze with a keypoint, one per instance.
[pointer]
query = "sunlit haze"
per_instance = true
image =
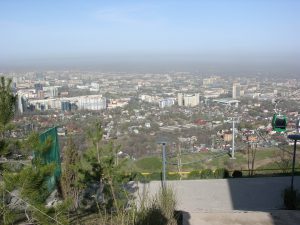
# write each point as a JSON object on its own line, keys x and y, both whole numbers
{"x": 123, "y": 35}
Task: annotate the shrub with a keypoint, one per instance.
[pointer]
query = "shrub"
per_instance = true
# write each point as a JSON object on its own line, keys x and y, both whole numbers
{"x": 174, "y": 176}
{"x": 161, "y": 210}
{"x": 207, "y": 174}
{"x": 221, "y": 173}
{"x": 237, "y": 173}
{"x": 195, "y": 174}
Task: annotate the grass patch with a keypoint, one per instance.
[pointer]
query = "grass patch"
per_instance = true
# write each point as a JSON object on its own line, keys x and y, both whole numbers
{"x": 152, "y": 164}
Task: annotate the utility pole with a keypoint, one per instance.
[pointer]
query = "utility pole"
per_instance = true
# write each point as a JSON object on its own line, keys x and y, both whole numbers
{"x": 295, "y": 138}
{"x": 233, "y": 120}
{"x": 163, "y": 143}
{"x": 232, "y": 151}
{"x": 164, "y": 164}
{"x": 179, "y": 160}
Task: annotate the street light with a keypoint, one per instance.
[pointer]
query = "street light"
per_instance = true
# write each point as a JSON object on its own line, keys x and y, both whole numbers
{"x": 233, "y": 120}
{"x": 294, "y": 137}
{"x": 163, "y": 143}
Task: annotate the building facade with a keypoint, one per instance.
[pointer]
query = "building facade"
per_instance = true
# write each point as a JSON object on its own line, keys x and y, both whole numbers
{"x": 188, "y": 100}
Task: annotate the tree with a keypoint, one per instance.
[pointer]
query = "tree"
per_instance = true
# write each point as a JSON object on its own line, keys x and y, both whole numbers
{"x": 7, "y": 109}
{"x": 31, "y": 186}
{"x": 70, "y": 175}
{"x": 99, "y": 166}
{"x": 283, "y": 159}
{"x": 7, "y": 104}
{"x": 251, "y": 153}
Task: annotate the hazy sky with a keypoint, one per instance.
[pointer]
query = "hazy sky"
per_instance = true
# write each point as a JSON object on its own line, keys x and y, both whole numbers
{"x": 117, "y": 31}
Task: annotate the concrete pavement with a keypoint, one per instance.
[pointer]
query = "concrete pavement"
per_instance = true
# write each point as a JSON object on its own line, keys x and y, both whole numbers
{"x": 231, "y": 201}
{"x": 276, "y": 217}
{"x": 246, "y": 194}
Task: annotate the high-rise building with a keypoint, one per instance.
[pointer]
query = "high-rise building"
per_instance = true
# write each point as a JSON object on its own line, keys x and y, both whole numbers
{"x": 180, "y": 99}
{"x": 52, "y": 91}
{"x": 22, "y": 102}
{"x": 189, "y": 100}
{"x": 167, "y": 102}
{"x": 236, "y": 90}
{"x": 38, "y": 87}
{"x": 92, "y": 102}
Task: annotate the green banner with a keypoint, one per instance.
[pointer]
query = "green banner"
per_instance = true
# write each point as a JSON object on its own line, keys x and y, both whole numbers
{"x": 52, "y": 155}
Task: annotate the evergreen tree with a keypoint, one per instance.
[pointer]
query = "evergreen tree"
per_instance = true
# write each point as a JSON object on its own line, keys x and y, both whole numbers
{"x": 99, "y": 166}
{"x": 7, "y": 109}
{"x": 7, "y": 105}
{"x": 70, "y": 177}
{"x": 31, "y": 184}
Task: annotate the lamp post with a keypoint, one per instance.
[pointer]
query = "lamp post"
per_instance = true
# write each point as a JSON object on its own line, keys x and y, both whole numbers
{"x": 233, "y": 120}
{"x": 164, "y": 164}
{"x": 294, "y": 137}
{"x": 163, "y": 143}
{"x": 233, "y": 134}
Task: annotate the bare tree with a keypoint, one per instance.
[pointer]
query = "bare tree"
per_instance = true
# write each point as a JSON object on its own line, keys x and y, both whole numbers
{"x": 251, "y": 153}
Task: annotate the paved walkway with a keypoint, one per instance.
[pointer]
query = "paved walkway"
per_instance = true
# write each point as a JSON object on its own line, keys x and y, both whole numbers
{"x": 246, "y": 194}
{"x": 231, "y": 201}
{"x": 243, "y": 218}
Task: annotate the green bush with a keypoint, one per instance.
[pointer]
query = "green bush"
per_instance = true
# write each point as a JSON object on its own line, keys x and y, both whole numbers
{"x": 174, "y": 176}
{"x": 161, "y": 210}
{"x": 237, "y": 173}
{"x": 195, "y": 174}
{"x": 221, "y": 173}
{"x": 207, "y": 174}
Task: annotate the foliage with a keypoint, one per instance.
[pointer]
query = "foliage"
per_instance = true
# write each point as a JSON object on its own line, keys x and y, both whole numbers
{"x": 154, "y": 176}
{"x": 137, "y": 176}
{"x": 32, "y": 143}
{"x": 283, "y": 159}
{"x": 70, "y": 177}
{"x": 173, "y": 176}
{"x": 6, "y": 214}
{"x": 195, "y": 174}
{"x": 7, "y": 109}
{"x": 7, "y": 103}
{"x": 31, "y": 183}
{"x": 251, "y": 157}
{"x": 160, "y": 210}
{"x": 207, "y": 174}
{"x": 237, "y": 174}
{"x": 221, "y": 173}
{"x": 100, "y": 167}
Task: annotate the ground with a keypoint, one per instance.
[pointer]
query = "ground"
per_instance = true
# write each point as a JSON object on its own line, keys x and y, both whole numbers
{"x": 235, "y": 201}
{"x": 275, "y": 217}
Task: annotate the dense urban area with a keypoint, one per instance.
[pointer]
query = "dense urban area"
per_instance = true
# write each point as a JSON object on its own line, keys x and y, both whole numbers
{"x": 193, "y": 112}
